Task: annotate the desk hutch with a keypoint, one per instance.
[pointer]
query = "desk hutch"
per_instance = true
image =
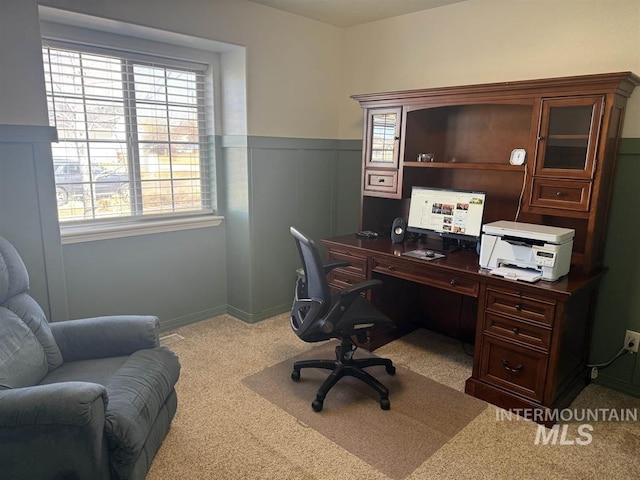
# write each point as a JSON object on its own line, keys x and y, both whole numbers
{"x": 531, "y": 340}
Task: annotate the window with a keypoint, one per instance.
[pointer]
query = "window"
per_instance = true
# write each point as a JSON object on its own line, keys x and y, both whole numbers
{"x": 132, "y": 135}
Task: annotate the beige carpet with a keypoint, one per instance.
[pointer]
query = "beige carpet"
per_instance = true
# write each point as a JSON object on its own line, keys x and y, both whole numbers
{"x": 424, "y": 414}
{"x": 225, "y": 431}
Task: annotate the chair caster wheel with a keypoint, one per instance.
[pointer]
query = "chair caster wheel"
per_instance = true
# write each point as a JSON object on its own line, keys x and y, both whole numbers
{"x": 391, "y": 370}
{"x": 385, "y": 404}
{"x": 295, "y": 375}
{"x": 317, "y": 405}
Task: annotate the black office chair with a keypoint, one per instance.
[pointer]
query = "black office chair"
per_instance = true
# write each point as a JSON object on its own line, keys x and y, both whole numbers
{"x": 317, "y": 315}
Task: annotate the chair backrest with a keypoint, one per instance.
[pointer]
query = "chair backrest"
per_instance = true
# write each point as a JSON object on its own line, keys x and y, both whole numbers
{"x": 312, "y": 299}
{"x": 27, "y": 347}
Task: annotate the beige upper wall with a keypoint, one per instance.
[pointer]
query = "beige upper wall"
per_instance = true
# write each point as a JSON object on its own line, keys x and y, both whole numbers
{"x": 480, "y": 41}
{"x": 293, "y": 89}
{"x": 300, "y": 73}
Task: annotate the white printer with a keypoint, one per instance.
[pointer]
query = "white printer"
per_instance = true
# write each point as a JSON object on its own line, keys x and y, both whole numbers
{"x": 525, "y": 251}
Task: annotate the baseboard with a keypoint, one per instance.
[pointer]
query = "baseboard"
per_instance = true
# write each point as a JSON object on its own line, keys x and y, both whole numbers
{"x": 257, "y": 317}
{"x": 617, "y": 385}
{"x": 174, "y": 323}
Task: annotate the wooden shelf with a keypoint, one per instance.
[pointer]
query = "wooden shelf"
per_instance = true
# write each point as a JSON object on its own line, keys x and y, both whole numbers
{"x": 504, "y": 167}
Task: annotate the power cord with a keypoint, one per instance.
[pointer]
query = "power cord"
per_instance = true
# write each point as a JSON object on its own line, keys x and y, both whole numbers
{"x": 596, "y": 366}
{"x": 524, "y": 184}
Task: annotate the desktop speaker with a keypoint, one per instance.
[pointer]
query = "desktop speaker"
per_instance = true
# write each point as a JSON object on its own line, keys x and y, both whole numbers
{"x": 398, "y": 230}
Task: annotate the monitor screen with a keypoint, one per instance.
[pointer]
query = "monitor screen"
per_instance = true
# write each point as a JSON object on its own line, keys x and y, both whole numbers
{"x": 450, "y": 213}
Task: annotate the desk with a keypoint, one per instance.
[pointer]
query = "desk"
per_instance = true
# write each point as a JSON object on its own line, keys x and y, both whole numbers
{"x": 531, "y": 340}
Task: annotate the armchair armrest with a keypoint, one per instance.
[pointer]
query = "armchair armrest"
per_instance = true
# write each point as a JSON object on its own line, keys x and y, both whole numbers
{"x": 54, "y": 431}
{"x": 67, "y": 403}
{"x": 101, "y": 337}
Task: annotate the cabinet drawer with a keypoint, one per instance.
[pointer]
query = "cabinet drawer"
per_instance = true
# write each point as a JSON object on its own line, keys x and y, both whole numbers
{"x": 562, "y": 194}
{"x": 381, "y": 181}
{"x": 451, "y": 282}
{"x": 357, "y": 265}
{"x": 512, "y": 329}
{"x": 340, "y": 278}
{"x": 523, "y": 306}
{"x": 517, "y": 369}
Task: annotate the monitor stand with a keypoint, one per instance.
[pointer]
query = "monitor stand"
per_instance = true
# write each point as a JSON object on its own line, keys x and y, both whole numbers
{"x": 438, "y": 243}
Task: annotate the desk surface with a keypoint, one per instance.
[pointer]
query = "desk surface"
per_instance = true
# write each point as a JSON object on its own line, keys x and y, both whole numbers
{"x": 457, "y": 261}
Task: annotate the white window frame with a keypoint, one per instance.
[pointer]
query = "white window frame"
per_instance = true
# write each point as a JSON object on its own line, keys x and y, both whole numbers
{"x": 146, "y": 42}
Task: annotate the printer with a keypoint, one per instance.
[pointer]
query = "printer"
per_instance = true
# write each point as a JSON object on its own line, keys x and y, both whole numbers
{"x": 525, "y": 251}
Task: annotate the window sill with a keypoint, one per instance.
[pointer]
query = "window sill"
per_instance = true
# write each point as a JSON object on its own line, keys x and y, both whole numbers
{"x": 104, "y": 231}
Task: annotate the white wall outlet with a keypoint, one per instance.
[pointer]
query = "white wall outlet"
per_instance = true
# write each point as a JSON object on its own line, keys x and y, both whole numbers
{"x": 634, "y": 337}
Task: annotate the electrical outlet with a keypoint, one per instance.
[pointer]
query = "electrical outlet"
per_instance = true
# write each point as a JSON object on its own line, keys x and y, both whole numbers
{"x": 634, "y": 337}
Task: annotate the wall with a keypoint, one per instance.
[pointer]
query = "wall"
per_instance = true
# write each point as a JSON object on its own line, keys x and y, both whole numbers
{"x": 292, "y": 63}
{"x": 480, "y": 41}
{"x": 300, "y": 74}
{"x": 274, "y": 124}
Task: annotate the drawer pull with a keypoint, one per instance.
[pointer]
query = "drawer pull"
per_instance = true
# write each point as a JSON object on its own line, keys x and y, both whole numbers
{"x": 516, "y": 331}
{"x": 453, "y": 282}
{"x": 517, "y": 306}
{"x": 517, "y": 369}
{"x": 390, "y": 267}
{"x": 559, "y": 194}
{"x": 380, "y": 180}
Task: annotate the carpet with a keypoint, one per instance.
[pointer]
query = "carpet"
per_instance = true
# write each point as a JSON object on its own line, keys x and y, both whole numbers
{"x": 424, "y": 414}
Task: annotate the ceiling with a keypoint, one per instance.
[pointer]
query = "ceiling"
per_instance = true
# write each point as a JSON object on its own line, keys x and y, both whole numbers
{"x": 347, "y": 13}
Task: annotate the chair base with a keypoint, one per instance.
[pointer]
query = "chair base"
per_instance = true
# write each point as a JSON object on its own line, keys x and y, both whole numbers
{"x": 346, "y": 365}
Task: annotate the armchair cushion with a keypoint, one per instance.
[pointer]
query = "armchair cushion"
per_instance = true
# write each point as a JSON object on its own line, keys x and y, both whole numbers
{"x": 32, "y": 315}
{"x": 22, "y": 359}
{"x": 14, "y": 285}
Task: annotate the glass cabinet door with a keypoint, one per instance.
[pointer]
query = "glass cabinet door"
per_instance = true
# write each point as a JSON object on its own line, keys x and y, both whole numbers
{"x": 383, "y": 138}
{"x": 568, "y": 137}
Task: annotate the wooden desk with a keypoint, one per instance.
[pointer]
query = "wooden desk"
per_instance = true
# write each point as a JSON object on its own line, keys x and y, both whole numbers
{"x": 531, "y": 340}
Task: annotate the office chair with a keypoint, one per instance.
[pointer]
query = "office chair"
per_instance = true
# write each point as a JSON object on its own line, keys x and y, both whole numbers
{"x": 318, "y": 314}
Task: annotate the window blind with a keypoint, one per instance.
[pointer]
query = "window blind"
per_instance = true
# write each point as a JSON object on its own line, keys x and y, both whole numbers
{"x": 132, "y": 134}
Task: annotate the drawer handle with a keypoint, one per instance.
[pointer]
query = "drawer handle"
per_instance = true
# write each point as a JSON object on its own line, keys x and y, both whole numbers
{"x": 453, "y": 282}
{"x": 516, "y": 331}
{"x": 518, "y": 307}
{"x": 380, "y": 180}
{"x": 517, "y": 369}
{"x": 390, "y": 267}
{"x": 559, "y": 194}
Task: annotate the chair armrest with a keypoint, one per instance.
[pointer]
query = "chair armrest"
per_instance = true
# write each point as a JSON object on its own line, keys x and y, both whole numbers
{"x": 331, "y": 265}
{"x": 54, "y": 431}
{"x": 360, "y": 287}
{"x": 348, "y": 295}
{"x": 67, "y": 403}
{"x": 101, "y": 337}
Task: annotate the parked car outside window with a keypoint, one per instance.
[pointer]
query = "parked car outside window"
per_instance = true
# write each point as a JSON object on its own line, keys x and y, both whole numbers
{"x": 103, "y": 182}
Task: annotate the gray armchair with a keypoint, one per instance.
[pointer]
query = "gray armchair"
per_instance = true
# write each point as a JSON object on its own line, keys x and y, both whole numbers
{"x": 79, "y": 399}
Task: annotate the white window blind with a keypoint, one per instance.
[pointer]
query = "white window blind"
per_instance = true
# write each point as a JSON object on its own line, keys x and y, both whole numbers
{"x": 132, "y": 135}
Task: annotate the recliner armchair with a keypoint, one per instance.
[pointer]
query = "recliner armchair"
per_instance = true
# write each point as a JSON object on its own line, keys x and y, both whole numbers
{"x": 79, "y": 399}
{"x": 317, "y": 314}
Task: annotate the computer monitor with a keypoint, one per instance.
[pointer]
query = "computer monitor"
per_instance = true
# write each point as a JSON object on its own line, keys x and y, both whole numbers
{"x": 453, "y": 214}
